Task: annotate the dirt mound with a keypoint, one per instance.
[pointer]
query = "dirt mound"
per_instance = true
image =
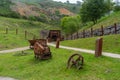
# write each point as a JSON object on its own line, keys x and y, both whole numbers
{"x": 25, "y": 10}
{"x": 64, "y": 11}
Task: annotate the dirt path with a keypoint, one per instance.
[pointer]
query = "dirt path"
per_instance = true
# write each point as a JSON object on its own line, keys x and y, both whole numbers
{"x": 14, "y": 50}
{"x": 6, "y": 78}
{"x": 113, "y": 55}
{"x": 65, "y": 47}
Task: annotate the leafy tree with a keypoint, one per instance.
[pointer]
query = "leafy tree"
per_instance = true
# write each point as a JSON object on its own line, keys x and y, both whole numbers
{"x": 117, "y": 8}
{"x": 92, "y": 10}
{"x": 79, "y": 3}
{"x": 5, "y": 9}
{"x": 67, "y": 2}
{"x": 70, "y": 24}
{"x": 108, "y": 5}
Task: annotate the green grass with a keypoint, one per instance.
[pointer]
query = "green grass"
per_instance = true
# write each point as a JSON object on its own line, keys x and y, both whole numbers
{"x": 26, "y": 67}
{"x": 11, "y": 40}
{"x": 8, "y": 41}
{"x": 21, "y": 24}
{"x": 105, "y": 21}
{"x": 111, "y": 43}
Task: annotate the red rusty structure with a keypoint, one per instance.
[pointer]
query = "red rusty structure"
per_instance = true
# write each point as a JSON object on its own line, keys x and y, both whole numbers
{"x": 41, "y": 49}
{"x": 75, "y": 60}
{"x": 32, "y": 42}
{"x": 98, "y": 48}
{"x": 54, "y": 35}
{"x": 58, "y": 43}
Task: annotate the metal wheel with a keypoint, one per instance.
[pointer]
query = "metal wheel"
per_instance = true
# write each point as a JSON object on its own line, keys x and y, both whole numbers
{"x": 75, "y": 60}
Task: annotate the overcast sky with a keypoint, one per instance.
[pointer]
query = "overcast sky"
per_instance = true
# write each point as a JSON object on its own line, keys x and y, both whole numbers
{"x": 71, "y": 1}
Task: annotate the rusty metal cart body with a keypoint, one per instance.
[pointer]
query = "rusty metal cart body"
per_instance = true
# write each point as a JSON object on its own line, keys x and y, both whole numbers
{"x": 41, "y": 49}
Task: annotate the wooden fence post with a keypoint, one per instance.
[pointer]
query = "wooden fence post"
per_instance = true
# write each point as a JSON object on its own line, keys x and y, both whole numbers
{"x": 34, "y": 36}
{"x": 16, "y": 31}
{"x": 25, "y": 34}
{"x": 83, "y": 33}
{"x": 98, "y": 48}
{"x": 91, "y": 32}
{"x": 6, "y": 30}
{"x": 77, "y": 34}
{"x": 71, "y": 36}
{"x": 102, "y": 31}
{"x": 115, "y": 26}
{"x": 57, "y": 43}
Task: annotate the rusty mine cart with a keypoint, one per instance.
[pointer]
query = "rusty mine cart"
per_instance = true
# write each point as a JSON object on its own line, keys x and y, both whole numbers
{"x": 41, "y": 49}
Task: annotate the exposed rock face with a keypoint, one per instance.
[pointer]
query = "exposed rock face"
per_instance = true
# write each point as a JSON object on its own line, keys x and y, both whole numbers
{"x": 25, "y": 10}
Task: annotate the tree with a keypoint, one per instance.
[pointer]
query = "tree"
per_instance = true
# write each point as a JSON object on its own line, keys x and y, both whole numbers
{"x": 117, "y": 8}
{"x": 78, "y": 3}
{"x": 70, "y": 25}
{"x": 92, "y": 10}
{"x": 109, "y": 5}
{"x": 67, "y": 2}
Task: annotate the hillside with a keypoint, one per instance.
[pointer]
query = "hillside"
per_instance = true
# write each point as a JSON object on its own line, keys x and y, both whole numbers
{"x": 50, "y": 3}
{"x": 111, "y": 43}
{"x": 46, "y": 11}
{"x": 106, "y": 21}
{"x": 13, "y": 40}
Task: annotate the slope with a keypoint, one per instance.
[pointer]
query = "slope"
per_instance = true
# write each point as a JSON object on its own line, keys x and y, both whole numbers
{"x": 111, "y": 43}
{"x": 105, "y": 21}
{"x": 11, "y": 40}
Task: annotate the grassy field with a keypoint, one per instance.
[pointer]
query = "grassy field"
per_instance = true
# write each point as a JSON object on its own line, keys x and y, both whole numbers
{"x": 105, "y": 21}
{"x": 20, "y": 24}
{"x": 26, "y": 67}
{"x": 11, "y": 40}
{"x": 8, "y": 41}
{"x": 111, "y": 43}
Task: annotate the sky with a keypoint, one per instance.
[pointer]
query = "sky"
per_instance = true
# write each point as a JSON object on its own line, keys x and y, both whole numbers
{"x": 71, "y": 1}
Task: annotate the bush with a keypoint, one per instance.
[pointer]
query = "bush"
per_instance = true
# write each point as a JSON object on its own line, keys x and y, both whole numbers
{"x": 117, "y": 8}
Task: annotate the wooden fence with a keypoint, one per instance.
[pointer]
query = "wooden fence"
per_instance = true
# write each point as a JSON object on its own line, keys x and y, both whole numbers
{"x": 114, "y": 29}
{"x": 26, "y": 34}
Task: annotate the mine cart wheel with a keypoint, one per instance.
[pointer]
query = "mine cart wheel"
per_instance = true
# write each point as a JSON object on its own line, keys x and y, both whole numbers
{"x": 75, "y": 60}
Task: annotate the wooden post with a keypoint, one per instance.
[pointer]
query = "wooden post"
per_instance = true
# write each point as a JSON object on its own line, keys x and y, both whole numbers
{"x": 71, "y": 36}
{"x": 115, "y": 26}
{"x": 6, "y": 30}
{"x": 57, "y": 43}
{"x": 102, "y": 31}
{"x": 16, "y": 31}
{"x": 77, "y": 34}
{"x": 34, "y": 36}
{"x": 83, "y": 33}
{"x": 98, "y": 48}
{"x": 91, "y": 32}
{"x": 25, "y": 34}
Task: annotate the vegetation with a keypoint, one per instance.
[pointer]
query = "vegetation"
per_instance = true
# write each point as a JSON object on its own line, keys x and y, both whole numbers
{"x": 50, "y": 3}
{"x": 5, "y": 9}
{"x": 105, "y": 21}
{"x": 117, "y": 8}
{"x": 11, "y": 40}
{"x": 70, "y": 24}
{"x": 111, "y": 43}
{"x": 24, "y": 66}
{"x": 90, "y": 12}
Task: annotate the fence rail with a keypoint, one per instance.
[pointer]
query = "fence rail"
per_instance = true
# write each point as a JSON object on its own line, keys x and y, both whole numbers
{"x": 26, "y": 34}
{"x": 114, "y": 29}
